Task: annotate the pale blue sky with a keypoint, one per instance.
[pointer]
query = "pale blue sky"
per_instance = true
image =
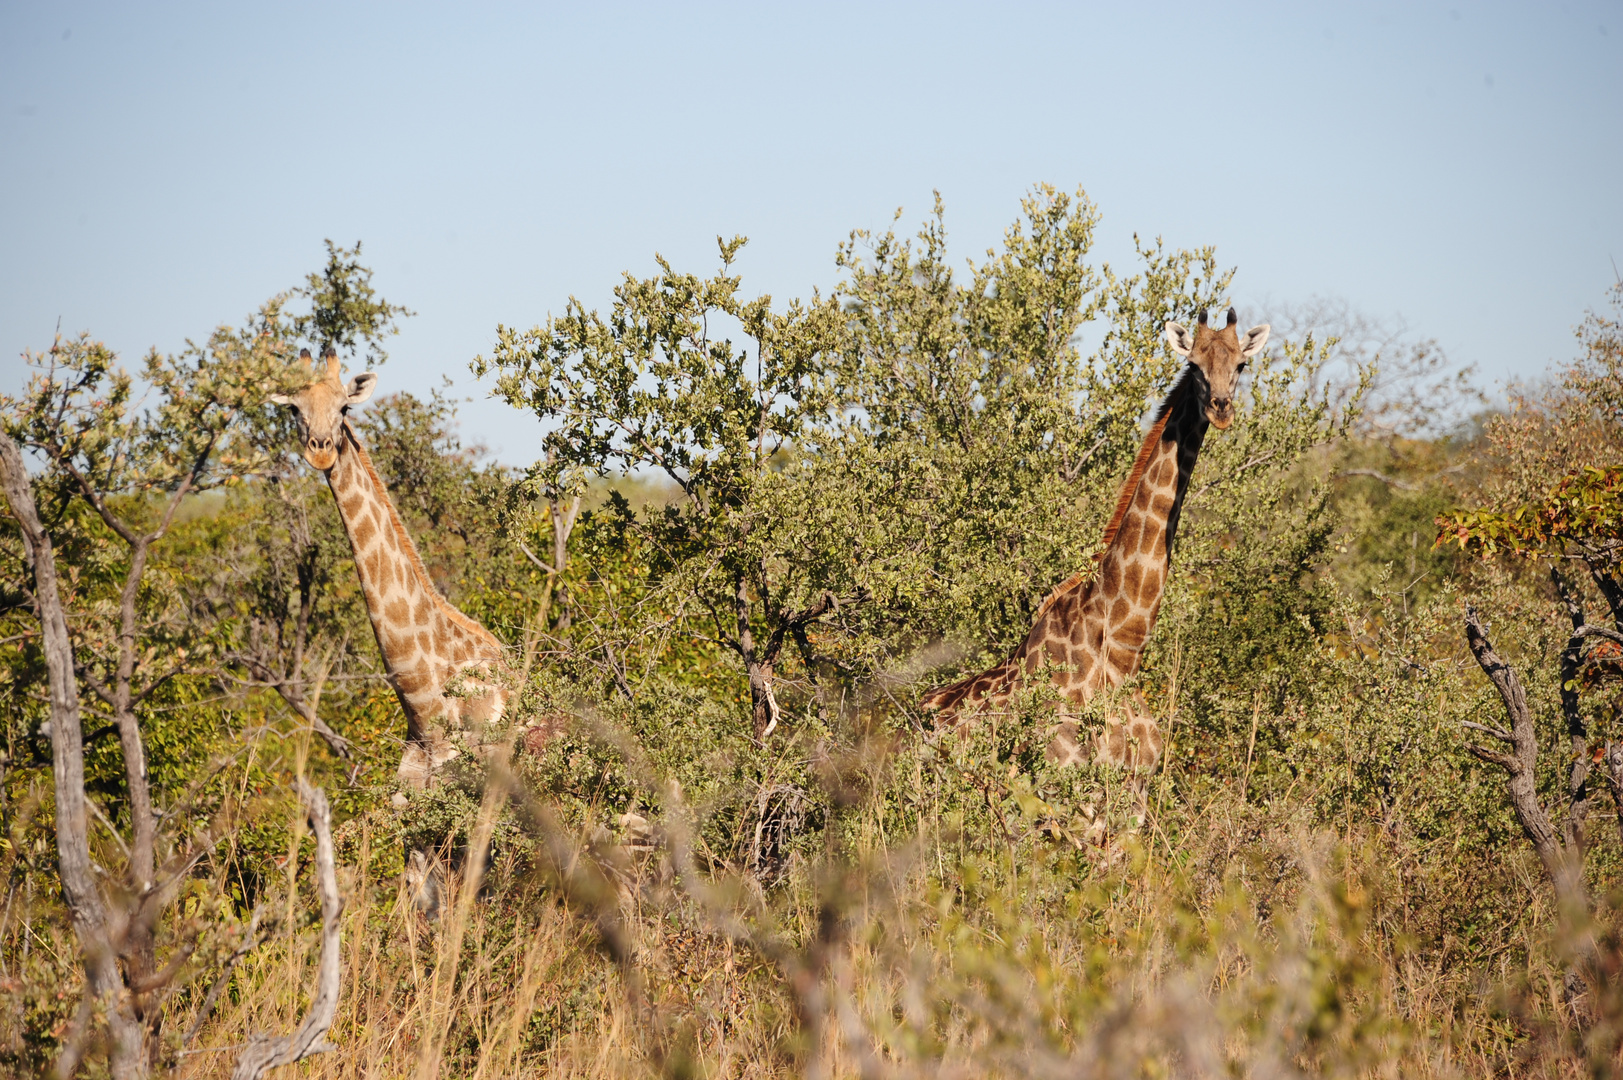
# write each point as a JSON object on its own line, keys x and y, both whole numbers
{"x": 166, "y": 167}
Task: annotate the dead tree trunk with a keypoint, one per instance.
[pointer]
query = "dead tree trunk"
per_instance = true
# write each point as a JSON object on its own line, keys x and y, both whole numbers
{"x": 764, "y": 711}
{"x": 761, "y": 659}
{"x": 104, "y": 986}
{"x": 1572, "y": 658}
{"x": 1560, "y": 851}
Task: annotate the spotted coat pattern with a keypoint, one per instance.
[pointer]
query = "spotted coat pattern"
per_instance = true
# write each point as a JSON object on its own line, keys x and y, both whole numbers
{"x": 426, "y": 643}
{"x": 1091, "y": 630}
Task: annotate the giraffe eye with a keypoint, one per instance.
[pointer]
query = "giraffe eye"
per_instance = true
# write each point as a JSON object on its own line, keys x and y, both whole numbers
{"x": 1241, "y": 369}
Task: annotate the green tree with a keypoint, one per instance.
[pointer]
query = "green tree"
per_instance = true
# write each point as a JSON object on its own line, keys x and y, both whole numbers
{"x": 1008, "y": 442}
{"x": 660, "y": 386}
{"x": 345, "y": 313}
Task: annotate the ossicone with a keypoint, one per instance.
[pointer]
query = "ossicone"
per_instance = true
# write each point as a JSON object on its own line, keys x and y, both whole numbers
{"x": 1202, "y": 319}
{"x": 1233, "y": 318}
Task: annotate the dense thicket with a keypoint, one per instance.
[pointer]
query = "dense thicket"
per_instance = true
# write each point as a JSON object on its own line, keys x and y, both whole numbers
{"x": 753, "y": 534}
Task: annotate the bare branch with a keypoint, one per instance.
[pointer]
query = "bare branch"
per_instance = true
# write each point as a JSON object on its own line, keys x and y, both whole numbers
{"x": 1561, "y": 863}
{"x": 1401, "y": 485}
{"x": 1494, "y": 757}
{"x": 99, "y": 688}
{"x": 252, "y": 941}
{"x": 536, "y": 559}
{"x": 160, "y": 979}
{"x": 93, "y": 496}
{"x": 294, "y": 699}
{"x": 266, "y": 1052}
{"x": 337, "y": 742}
{"x": 1591, "y": 630}
{"x": 1390, "y": 481}
{"x": 1252, "y": 462}
{"x": 1069, "y": 473}
{"x": 1498, "y": 733}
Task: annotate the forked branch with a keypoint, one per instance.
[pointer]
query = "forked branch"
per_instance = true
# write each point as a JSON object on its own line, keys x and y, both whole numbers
{"x": 1521, "y": 763}
{"x": 1561, "y": 852}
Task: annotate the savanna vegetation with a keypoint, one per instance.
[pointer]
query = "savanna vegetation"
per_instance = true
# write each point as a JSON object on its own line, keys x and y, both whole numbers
{"x": 1386, "y": 673}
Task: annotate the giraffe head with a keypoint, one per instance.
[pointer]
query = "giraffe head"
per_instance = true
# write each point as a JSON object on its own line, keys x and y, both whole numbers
{"x": 321, "y": 405}
{"x": 1220, "y": 356}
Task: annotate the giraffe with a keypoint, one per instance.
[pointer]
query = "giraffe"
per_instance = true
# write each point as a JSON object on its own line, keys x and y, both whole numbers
{"x": 1092, "y": 631}
{"x": 426, "y": 643}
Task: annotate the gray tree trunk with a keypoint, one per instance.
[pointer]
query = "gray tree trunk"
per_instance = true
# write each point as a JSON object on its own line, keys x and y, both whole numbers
{"x": 104, "y": 986}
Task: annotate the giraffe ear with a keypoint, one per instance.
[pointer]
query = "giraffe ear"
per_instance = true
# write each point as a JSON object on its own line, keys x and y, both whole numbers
{"x": 1181, "y": 340}
{"x": 1255, "y": 339}
{"x": 360, "y": 387}
{"x": 279, "y": 399}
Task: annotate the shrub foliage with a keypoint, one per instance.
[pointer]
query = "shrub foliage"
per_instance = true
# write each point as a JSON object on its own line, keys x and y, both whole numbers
{"x": 753, "y": 534}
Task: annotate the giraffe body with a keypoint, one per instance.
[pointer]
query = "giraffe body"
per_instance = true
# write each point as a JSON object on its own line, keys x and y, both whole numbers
{"x": 427, "y": 644}
{"x": 1091, "y": 631}
{"x": 445, "y": 667}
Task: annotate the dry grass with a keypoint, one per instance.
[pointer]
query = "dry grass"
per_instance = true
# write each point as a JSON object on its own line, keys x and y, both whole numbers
{"x": 1222, "y": 939}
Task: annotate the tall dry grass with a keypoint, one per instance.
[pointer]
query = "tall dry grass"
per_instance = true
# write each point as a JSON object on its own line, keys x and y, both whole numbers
{"x": 1221, "y": 938}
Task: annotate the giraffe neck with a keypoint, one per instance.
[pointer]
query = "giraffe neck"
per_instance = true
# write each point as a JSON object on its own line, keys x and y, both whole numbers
{"x": 1093, "y": 631}
{"x": 1098, "y": 630}
{"x": 423, "y": 639}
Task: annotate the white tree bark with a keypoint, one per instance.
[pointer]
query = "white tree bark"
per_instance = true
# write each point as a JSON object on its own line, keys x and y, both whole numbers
{"x": 87, "y": 910}
{"x": 266, "y": 1052}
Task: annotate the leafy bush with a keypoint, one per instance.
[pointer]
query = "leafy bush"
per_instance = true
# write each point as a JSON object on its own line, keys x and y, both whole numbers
{"x": 726, "y": 842}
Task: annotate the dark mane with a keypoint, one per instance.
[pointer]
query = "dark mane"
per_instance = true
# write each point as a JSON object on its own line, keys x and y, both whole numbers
{"x": 1151, "y": 440}
{"x": 946, "y": 699}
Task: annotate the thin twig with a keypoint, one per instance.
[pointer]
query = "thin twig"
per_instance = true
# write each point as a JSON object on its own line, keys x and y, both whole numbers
{"x": 249, "y": 944}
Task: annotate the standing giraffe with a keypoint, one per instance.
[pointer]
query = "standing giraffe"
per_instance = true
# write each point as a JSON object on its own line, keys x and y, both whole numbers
{"x": 426, "y": 643}
{"x": 1092, "y": 632}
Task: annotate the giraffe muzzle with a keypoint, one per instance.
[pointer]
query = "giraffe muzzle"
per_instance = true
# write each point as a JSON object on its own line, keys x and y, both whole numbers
{"x": 320, "y": 453}
{"x": 1221, "y": 413}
